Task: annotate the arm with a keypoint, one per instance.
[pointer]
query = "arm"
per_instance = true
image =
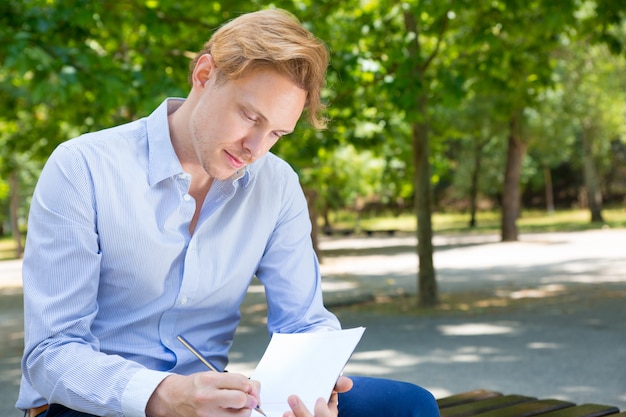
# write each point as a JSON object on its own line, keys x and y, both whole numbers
{"x": 289, "y": 269}
{"x": 62, "y": 359}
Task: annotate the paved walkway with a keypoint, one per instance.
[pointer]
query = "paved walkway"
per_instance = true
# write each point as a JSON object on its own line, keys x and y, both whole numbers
{"x": 567, "y": 341}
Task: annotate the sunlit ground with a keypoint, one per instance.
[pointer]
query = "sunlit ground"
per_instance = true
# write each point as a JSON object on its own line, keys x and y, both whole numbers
{"x": 552, "y": 341}
{"x": 469, "y": 303}
{"x": 540, "y": 317}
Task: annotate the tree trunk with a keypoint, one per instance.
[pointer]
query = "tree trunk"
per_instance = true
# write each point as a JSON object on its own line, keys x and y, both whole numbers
{"x": 427, "y": 282}
{"x": 511, "y": 193}
{"x": 474, "y": 185}
{"x": 14, "y": 203}
{"x": 326, "y": 227}
{"x": 594, "y": 192}
{"x": 311, "y": 197}
{"x": 547, "y": 175}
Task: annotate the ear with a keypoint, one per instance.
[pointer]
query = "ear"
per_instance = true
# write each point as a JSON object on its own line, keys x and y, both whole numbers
{"x": 202, "y": 72}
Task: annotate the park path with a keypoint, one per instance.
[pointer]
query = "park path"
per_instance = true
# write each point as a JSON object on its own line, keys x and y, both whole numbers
{"x": 571, "y": 345}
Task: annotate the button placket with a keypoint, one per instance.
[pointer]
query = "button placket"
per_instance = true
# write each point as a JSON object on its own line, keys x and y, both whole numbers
{"x": 184, "y": 180}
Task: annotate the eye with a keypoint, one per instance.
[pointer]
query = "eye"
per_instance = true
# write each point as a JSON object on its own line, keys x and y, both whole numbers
{"x": 249, "y": 117}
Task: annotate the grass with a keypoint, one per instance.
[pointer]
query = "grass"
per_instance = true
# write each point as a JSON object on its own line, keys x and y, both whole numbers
{"x": 7, "y": 248}
{"x": 456, "y": 223}
{"x": 489, "y": 222}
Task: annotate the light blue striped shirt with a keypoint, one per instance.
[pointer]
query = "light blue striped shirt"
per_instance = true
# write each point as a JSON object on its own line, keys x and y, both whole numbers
{"x": 112, "y": 276}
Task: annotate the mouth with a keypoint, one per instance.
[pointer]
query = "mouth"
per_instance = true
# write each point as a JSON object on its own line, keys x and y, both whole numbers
{"x": 234, "y": 161}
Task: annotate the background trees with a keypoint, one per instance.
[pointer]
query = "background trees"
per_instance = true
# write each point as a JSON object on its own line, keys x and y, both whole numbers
{"x": 433, "y": 104}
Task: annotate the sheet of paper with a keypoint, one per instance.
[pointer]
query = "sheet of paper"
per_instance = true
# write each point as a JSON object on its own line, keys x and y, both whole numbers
{"x": 305, "y": 364}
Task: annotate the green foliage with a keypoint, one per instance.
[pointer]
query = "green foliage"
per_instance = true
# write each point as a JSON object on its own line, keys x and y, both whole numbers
{"x": 346, "y": 177}
{"x": 76, "y": 65}
{"x": 70, "y": 66}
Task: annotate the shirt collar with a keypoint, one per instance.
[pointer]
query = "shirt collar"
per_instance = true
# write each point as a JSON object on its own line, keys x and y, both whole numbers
{"x": 242, "y": 175}
{"x": 162, "y": 160}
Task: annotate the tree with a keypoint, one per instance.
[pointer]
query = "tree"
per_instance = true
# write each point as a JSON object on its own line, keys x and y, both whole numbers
{"x": 78, "y": 65}
{"x": 515, "y": 61}
{"x": 595, "y": 103}
{"x": 402, "y": 42}
{"x": 581, "y": 113}
{"x": 420, "y": 61}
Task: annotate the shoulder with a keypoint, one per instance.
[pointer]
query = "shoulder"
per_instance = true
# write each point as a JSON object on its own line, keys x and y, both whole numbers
{"x": 103, "y": 151}
{"x": 120, "y": 135}
{"x": 112, "y": 144}
{"x": 272, "y": 166}
{"x": 273, "y": 174}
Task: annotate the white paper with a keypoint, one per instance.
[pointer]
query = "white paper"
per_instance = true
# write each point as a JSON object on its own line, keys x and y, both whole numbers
{"x": 305, "y": 364}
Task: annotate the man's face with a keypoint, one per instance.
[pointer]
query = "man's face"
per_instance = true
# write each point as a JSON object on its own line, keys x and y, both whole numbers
{"x": 236, "y": 122}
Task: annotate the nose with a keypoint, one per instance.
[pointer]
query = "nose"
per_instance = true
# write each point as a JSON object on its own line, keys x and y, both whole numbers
{"x": 253, "y": 145}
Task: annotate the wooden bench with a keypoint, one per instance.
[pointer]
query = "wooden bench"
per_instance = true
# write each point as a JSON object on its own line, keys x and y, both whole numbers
{"x": 337, "y": 232}
{"x": 486, "y": 403}
{"x": 388, "y": 232}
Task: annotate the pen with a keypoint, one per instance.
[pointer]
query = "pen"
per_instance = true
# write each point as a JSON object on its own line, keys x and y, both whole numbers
{"x": 193, "y": 350}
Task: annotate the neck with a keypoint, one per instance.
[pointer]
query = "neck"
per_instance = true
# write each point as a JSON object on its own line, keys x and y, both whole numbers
{"x": 201, "y": 181}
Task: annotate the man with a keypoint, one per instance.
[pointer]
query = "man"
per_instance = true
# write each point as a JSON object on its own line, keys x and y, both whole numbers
{"x": 155, "y": 228}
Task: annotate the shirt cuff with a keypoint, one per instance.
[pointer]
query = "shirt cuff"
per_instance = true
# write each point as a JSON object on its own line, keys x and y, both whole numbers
{"x": 139, "y": 390}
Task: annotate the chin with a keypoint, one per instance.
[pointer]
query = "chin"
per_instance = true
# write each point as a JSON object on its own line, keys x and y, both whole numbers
{"x": 223, "y": 176}
{"x": 220, "y": 174}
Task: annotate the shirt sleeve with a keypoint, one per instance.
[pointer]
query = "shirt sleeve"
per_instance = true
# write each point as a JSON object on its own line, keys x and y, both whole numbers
{"x": 62, "y": 359}
{"x": 289, "y": 269}
{"x": 139, "y": 390}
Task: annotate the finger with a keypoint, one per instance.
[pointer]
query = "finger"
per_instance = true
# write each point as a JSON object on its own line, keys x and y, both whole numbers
{"x": 333, "y": 404}
{"x": 255, "y": 390}
{"x": 226, "y": 380}
{"x": 252, "y": 389}
{"x": 323, "y": 410}
{"x": 237, "y": 400}
{"x": 228, "y": 391}
{"x": 343, "y": 384}
{"x": 298, "y": 407}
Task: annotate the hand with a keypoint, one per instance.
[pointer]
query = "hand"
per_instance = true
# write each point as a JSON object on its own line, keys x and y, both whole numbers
{"x": 204, "y": 394}
{"x": 298, "y": 409}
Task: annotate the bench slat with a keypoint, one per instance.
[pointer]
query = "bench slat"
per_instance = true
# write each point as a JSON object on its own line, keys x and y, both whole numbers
{"x": 584, "y": 410}
{"x": 528, "y": 409}
{"x": 466, "y": 397}
{"x": 486, "y": 403}
{"x": 482, "y": 406}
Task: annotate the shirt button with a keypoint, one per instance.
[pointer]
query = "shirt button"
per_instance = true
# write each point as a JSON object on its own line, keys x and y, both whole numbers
{"x": 184, "y": 300}
{"x": 186, "y": 197}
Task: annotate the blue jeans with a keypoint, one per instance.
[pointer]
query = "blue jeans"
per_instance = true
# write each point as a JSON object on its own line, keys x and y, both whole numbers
{"x": 376, "y": 397}
{"x": 62, "y": 411}
{"x": 370, "y": 397}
